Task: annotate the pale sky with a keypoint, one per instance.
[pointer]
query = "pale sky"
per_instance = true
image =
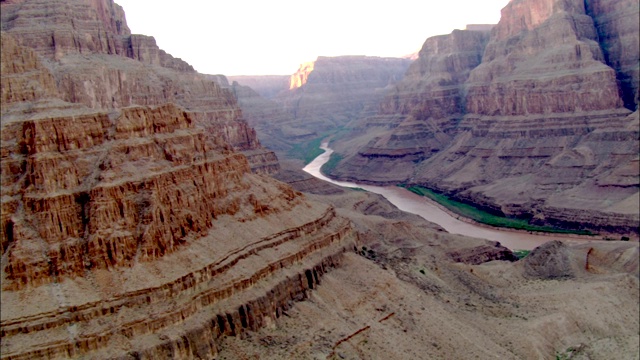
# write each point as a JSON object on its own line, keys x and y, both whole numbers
{"x": 260, "y": 37}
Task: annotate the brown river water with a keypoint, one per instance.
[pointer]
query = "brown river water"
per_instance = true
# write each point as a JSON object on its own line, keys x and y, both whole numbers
{"x": 407, "y": 201}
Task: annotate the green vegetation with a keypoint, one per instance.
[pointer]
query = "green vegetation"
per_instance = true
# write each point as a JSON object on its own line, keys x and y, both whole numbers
{"x": 334, "y": 159}
{"x": 309, "y": 150}
{"x": 306, "y": 151}
{"x": 484, "y": 217}
{"x": 357, "y": 189}
{"x": 521, "y": 254}
{"x": 569, "y": 353}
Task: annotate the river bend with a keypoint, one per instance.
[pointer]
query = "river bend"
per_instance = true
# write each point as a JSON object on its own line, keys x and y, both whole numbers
{"x": 407, "y": 201}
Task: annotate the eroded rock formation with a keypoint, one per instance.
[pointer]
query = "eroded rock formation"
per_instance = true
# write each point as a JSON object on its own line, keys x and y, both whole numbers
{"x": 322, "y": 96}
{"x": 130, "y": 68}
{"x": 536, "y": 120}
{"x": 415, "y": 291}
{"x": 135, "y": 221}
{"x": 332, "y": 90}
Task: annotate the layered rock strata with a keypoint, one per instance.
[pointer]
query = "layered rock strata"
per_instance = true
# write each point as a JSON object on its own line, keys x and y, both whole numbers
{"x": 333, "y": 90}
{"x": 533, "y": 121}
{"x": 419, "y": 116}
{"x": 414, "y": 291}
{"x": 135, "y": 220}
{"x": 322, "y": 96}
{"x": 97, "y": 62}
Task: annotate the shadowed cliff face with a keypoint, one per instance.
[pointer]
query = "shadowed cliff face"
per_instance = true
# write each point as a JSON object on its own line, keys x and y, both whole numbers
{"x": 616, "y": 22}
{"x": 133, "y": 209}
{"x": 321, "y": 97}
{"x": 335, "y": 90}
{"x": 532, "y": 121}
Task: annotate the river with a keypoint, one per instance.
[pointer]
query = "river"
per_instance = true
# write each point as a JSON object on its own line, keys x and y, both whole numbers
{"x": 407, "y": 201}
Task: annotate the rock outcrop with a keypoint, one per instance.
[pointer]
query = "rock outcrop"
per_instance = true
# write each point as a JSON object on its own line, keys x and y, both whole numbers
{"x": 534, "y": 121}
{"x": 130, "y": 68}
{"x": 135, "y": 220}
{"x": 405, "y": 294}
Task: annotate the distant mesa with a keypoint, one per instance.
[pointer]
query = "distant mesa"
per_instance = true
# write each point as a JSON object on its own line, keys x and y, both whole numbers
{"x": 480, "y": 27}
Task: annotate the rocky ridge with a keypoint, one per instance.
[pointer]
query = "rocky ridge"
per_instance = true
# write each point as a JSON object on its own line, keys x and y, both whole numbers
{"x": 97, "y": 62}
{"x": 135, "y": 220}
{"x": 534, "y": 120}
{"x": 408, "y": 278}
{"x": 331, "y": 90}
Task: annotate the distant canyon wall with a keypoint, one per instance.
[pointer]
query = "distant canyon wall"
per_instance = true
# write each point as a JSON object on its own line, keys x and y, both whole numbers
{"x": 536, "y": 118}
{"x": 322, "y": 96}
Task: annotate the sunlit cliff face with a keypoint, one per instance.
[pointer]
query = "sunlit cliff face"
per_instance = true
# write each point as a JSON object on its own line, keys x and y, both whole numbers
{"x": 300, "y": 77}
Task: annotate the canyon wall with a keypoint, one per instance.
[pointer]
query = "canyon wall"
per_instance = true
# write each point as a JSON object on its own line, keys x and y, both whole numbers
{"x": 332, "y": 90}
{"x": 136, "y": 220}
{"x": 268, "y": 86}
{"x": 536, "y": 120}
{"x": 97, "y": 62}
{"x": 321, "y": 97}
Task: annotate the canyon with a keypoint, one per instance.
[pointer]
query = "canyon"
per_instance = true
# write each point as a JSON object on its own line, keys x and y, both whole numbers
{"x": 143, "y": 217}
{"x": 535, "y": 119}
{"x": 322, "y": 96}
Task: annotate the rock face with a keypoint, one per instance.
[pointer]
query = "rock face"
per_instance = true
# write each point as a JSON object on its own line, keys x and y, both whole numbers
{"x": 419, "y": 116}
{"x": 135, "y": 220}
{"x": 320, "y": 97}
{"x": 535, "y": 120}
{"x": 262, "y": 112}
{"x": 131, "y": 69}
{"x": 616, "y": 23}
{"x": 391, "y": 298}
{"x": 268, "y": 86}
{"x": 332, "y": 90}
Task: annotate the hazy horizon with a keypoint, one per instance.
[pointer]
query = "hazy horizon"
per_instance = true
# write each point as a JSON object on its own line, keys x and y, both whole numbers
{"x": 274, "y": 38}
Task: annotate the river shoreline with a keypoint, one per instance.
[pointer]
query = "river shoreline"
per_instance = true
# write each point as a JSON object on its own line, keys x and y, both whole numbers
{"x": 433, "y": 211}
{"x": 508, "y": 229}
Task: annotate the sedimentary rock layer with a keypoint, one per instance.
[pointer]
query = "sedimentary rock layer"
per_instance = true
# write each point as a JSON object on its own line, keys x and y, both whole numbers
{"x": 135, "y": 220}
{"x": 96, "y": 61}
{"x": 322, "y": 96}
{"x": 223, "y": 290}
{"x": 534, "y": 121}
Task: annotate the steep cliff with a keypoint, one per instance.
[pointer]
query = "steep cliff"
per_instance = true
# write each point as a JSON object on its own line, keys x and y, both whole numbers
{"x": 419, "y": 116}
{"x": 332, "y": 90}
{"x": 321, "y": 97}
{"x": 535, "y": 124}
{"x": 97, "y": 62}
{"x": 616, "y": 23}
{"x": 257, "y": 96}
{"x": 133, "y": 222}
